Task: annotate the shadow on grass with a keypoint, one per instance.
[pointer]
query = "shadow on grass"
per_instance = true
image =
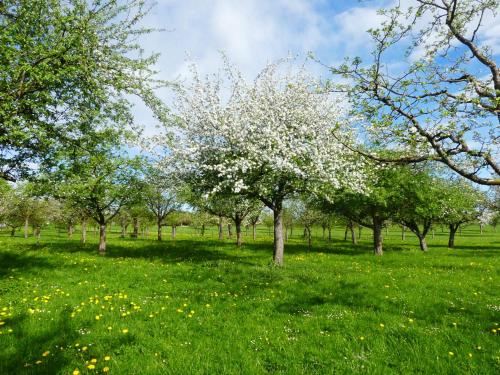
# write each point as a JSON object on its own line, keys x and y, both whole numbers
{"x": 14, "y": 260}
{"x": 29, "y": 344}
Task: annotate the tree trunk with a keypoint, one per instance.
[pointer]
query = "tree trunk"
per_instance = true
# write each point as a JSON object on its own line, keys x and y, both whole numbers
{"x": 102, "y": 239}
{"x": 291, "y": 230}
{"x": 345, "y": 233}
{"x": 324, "y": 231}
{"x": 83, "y": 239}
{"x": 278, "y": 236}
{"x": 329, "y": 234}
{"x": 309, "y": 239}
{"x": 353, "y": 234}
{"x": 377, "y": 237}
{"x": 124, "y": 231}
{"x": 403, "y": 232}
{"x": 26, "y": 227}
{"x": 286, "y": 233}
{"x": 174, "y": 231}
{"x": 359, "y": 232}
{"x": 135, "y": 233}
{"x": 254, "y": 231}
{"x": 70, "y": 231}
{"x": 230, "y": 231}
{"x": 451, "y": 239}
{"x": 202, "y": 230}
{"x": 13, "y": 232}
{"x": 481, "y": 228}
{"x": 433, "y": 234}
{"x": 221, "y": 234}
{"x": 238, "y": 233}
{"x": 422, "y": 242}
{"x": 159, "y": 230}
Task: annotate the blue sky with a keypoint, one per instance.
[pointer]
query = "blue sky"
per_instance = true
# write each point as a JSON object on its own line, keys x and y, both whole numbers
{"x": 254, "y": 32}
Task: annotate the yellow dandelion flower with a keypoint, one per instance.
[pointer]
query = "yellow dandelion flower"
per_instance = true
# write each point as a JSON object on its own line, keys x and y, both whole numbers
{"x": 207, "y": 305}
{"x": 76, "y": 372}
{"x": 91, "y": 367}
{"x": 97, "y": 317}
{"x": 190, "y": 316}
{"x": 382, "y": 325}
{"x": 451, "y": 353}
{"x": 192, "y": 311}
{"x": 361, "y": 338}
{"x": 470, "y": 355}
{"x": 105, "y": 369}
{"x": 125, "y": 330}
{"x": 84, "y": 348}
{"x": 93, "y": 360}
{"x": 38, "y": 362}
{"x": 107, "y": 358}
{"x": 45, "y": 354}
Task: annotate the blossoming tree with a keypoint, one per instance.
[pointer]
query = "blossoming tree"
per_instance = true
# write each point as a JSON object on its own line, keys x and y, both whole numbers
{"x": 267, "y": 139}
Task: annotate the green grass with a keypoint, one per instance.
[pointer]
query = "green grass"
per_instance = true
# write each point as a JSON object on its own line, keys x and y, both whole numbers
{"x": 199, "y": 306}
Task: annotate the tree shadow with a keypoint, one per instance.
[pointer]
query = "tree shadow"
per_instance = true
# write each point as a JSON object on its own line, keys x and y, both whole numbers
{"x": 11, "y": 261}
{"x": 26, "y": 350}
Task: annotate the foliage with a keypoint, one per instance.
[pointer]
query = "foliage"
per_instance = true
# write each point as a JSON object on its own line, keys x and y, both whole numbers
{"x": 63, "y": 63}
{"x": 442, "y": 98}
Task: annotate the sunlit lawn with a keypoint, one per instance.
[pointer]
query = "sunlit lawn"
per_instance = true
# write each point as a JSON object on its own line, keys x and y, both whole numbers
{"x": 199, "y": 306}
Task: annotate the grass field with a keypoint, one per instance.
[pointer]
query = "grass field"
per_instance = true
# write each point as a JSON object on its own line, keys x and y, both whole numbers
{"x": 200, "y": 306}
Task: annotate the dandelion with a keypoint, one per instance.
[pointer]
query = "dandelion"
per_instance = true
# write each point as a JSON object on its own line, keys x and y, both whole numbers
{"x": 451, "y": 354}
{"x": 410, "y": 320}
{"x": 382, "y": 325}
{"x": 110, "y": 328}
{"x": 105, "y": 369}
{"x": 45, "y": 354}
{"x": 207, "y": 305}
{"x": 107, "y": 358}
{"x": 76, "y": 372}
{"x": 470, "y": 355}
{"x": 97, "y": 317}
{"x": 125, "y": 330}
{"x": 91, "y": 367}
{"x": 84, "y": 348}
{"x": 361, "y": 338}
{"x": 93, "y": 360}
{"x": 38, "y": 362}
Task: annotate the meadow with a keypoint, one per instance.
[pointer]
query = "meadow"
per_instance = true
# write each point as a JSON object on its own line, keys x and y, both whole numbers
{"x": 201, "y": 306}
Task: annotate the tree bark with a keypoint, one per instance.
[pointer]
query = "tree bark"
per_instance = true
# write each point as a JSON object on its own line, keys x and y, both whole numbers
{"x": 309, "y": 239}
{"x": 124, "y": 231}
{"x": 453, "y": 231}
{"x": 102, "y": 239}
{"x": 70, "y": 231}
{"x": 377, "y": 237}
{"x": 481, "y": 228}
{"x": 230, "y": 231}
{"x": 237, "y": 224}
{"x": 254, "y": 231}
{"x": 278, "y": 236}
{"x": 13, "y": 232}
{"x": 174, "y": 231}
{"x": 135, "y": 233}
{"x": 26, "y": 227}
{"x": 159, "y": 230}
{"x": 221, "y": 234}
{"x": 353, "y": 234}
{"x": 345, "y": 233}
{"x": 403, "y": 232}
{"x": 422, "y": 242}
{"x": 329, "y": 234}
{"x": 83, "y": 239}
{"x": 360, "y": 228}
{"x": 202, "y": 230}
